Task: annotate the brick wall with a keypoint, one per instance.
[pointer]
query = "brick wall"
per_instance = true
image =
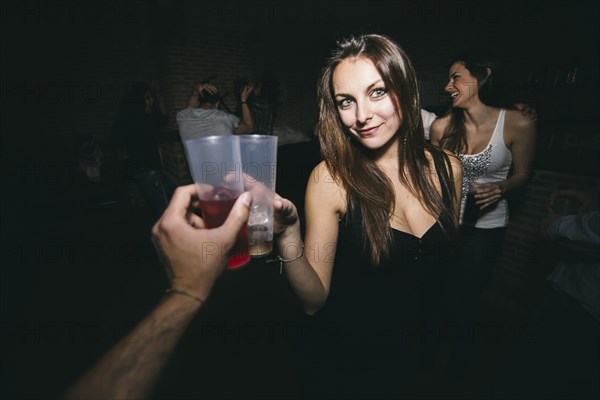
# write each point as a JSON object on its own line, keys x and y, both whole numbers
{"x": 75, "y": 60}
{"x": 196, "y": 57}
{"x": 72, "y": 72}
{"x": 527, "y": 259}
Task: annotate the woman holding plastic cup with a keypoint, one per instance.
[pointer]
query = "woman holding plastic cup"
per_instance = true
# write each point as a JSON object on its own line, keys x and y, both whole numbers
{"x": 381, "y": 223}
{"x": 490, "y": 139}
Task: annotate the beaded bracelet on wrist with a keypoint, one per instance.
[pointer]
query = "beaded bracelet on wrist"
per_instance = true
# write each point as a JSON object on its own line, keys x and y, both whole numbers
{"x": 183, "y": 293}
{"x": 282, "y": 260}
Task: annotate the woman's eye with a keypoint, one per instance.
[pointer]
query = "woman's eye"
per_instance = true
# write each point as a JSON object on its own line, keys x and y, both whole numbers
{"x": 344, "y": 103}
{"x": 379, "y": 92}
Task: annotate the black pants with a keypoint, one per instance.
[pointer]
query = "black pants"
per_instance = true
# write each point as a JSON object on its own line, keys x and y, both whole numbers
{"x": 481, "y": 250}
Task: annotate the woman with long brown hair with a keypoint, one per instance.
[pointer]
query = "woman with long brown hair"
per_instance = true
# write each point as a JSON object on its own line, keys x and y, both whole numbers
{"x": 496, "y": 146}
{"x": 381, "y": 222}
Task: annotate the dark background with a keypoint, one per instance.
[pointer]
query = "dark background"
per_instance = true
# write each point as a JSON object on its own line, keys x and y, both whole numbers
{"x": 78, "y": 270}
{"x": 57, "y": 55}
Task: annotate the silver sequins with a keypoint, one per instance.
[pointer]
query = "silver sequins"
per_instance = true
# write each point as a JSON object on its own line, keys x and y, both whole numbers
{"x": 474, "y": 166}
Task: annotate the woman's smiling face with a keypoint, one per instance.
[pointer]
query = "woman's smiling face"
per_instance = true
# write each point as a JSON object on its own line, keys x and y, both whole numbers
{"x": 365, "y": 107}
{"x": 462, "y": 86}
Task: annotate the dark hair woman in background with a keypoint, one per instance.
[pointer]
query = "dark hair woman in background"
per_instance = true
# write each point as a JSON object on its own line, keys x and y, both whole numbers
{"x": 490, "y": 140}
{"x": 140, "y": 118}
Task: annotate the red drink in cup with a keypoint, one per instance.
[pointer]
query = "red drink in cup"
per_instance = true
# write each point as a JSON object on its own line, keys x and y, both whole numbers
{"x": 215, "y": 164}
{"x": 215, "y": 206}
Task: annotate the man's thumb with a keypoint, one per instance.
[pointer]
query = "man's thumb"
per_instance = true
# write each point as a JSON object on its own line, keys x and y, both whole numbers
{"x": 238, "y": 216}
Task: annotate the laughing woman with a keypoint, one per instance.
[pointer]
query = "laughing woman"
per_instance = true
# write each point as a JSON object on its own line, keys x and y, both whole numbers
{"x": 489, "y": 141}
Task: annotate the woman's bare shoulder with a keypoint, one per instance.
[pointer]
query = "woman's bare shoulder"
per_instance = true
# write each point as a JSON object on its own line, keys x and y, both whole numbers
{"x": 438, "y": 127}
{"x": 454, "y": 161}
{"x": 322, "y": 185}
{"x": 516, "y": 119}
{"x": 518, "y": 128}
{"x": 442, "y": 120}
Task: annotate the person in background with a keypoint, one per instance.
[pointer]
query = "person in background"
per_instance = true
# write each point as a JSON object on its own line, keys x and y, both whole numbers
{"x": 204, "y": 116}
{"x": 140, "y": 120}
{"x": 558, "y": 355}
{"x": 381, "y": 226}
{"x": 429, "y": 117}
{"x": 490, "y": 140}
{"x": 577, "y": 274}
{"x": 130, "y": 370}
{"x": 262, "y": 102}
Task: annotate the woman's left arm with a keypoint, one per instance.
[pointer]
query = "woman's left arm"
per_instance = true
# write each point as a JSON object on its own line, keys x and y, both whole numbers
{"x": 521, "y": 135}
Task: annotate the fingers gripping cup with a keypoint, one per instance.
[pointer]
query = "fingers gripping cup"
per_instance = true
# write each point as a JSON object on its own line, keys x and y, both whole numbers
{"x": 215, "y": 165}
{"x": 259, "y": 167}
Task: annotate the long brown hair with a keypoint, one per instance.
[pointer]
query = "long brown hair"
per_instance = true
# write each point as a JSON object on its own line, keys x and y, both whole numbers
{"x": 491, "y": 89}
{"x": 370, "y": 193}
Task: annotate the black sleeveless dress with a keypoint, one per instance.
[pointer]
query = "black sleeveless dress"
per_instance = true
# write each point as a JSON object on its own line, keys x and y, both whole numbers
{"x": 380, "y": 325}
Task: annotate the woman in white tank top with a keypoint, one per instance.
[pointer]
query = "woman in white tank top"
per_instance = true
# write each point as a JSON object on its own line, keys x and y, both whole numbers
{"x": 489, "y": 140}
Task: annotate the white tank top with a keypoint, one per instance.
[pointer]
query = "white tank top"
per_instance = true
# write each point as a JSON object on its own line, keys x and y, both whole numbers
{"x": 491, "y": 165}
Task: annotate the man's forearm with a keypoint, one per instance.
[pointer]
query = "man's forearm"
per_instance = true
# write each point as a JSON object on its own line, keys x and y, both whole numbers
{"x": 131, "y": 368}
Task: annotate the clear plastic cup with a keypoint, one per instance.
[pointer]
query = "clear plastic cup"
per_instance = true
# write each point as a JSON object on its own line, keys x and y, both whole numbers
{"x": 259, "y": 169}
{"x": 215, "y": 165}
